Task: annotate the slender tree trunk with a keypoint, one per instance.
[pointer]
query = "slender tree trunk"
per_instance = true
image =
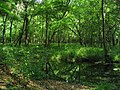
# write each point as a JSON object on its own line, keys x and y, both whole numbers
{"x": 103, "y": 29}
{"x": 21, "y": 33}
{"x": 113, "y": 39}
{"x": 4, "y": 28}
{"x": 108, "y": 31}
{"x": 25, "y": 26}
{"x": 58, "y": 38}
{"x": 42, "y": 22}
{"x": 11, "y": 24}
{"x": 26, "y": 23}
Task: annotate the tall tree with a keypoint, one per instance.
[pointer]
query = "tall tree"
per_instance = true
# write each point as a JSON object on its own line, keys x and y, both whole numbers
{"x": 103, "y": 28}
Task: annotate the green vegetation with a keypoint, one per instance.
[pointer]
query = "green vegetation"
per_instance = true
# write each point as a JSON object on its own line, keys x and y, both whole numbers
{"x": 73, "y": 42}
{"x": 68, "y": 63}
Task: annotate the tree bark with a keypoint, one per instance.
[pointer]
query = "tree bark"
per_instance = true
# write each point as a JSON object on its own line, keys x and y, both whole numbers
{"x": 58, "y": 38}
{"x": 4, "y": 28}
{"x": 21, "y": 33}
{"x": 11, "y": 24}
{"x": 26, "y": 23}
{"x": 103, "y": 30}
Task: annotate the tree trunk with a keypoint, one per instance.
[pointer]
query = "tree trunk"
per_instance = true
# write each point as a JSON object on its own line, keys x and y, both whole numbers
{"x": 42, "y": 22}
{"x": 11, "y": 24}
{"x": 103, "y": 30}
{"x": 99, "y": 33}
{"x": 58, "y": 38}
{"x": 26, "y": 23}
{"x": 4, "y": 28}
{"x": 21, "y": 33}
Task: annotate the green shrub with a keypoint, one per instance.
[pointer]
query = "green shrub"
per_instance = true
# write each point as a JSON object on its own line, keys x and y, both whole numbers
{"x": 93, "y": 54}
{"x": 117, "y": 57}
{"x": 115, "y": 54}
{"x": 81, "y": 54}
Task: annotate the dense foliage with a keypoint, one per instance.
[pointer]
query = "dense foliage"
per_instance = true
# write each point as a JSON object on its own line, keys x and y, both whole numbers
{"x": 68, "y": 40}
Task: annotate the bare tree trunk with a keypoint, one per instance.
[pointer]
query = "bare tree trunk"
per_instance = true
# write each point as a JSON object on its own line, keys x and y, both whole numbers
{"x": 11, "y": 24}
{"x": 42, "y": 22}
{"x": 99, "y": 32}
{"x": 58, "y": 38}
{"x": 103, "y": 29}
{"x": 25, "y": 26}
{"x": 26, "y": 23}
{"x": 4, "y": 28}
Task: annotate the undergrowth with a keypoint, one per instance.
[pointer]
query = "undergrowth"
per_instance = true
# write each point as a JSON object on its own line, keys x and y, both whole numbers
{"x": 67, "y": 62}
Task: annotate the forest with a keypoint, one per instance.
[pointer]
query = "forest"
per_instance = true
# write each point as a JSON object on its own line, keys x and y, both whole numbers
{"x": 59, "y": 44}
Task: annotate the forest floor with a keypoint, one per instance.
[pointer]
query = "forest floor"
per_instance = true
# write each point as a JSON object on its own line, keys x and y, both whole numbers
{"x": 19, "y": 65}
{"x": 11, "y": 82}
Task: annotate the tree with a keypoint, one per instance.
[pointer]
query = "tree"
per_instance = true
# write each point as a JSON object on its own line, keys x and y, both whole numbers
{"x": 103, "y": 28}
